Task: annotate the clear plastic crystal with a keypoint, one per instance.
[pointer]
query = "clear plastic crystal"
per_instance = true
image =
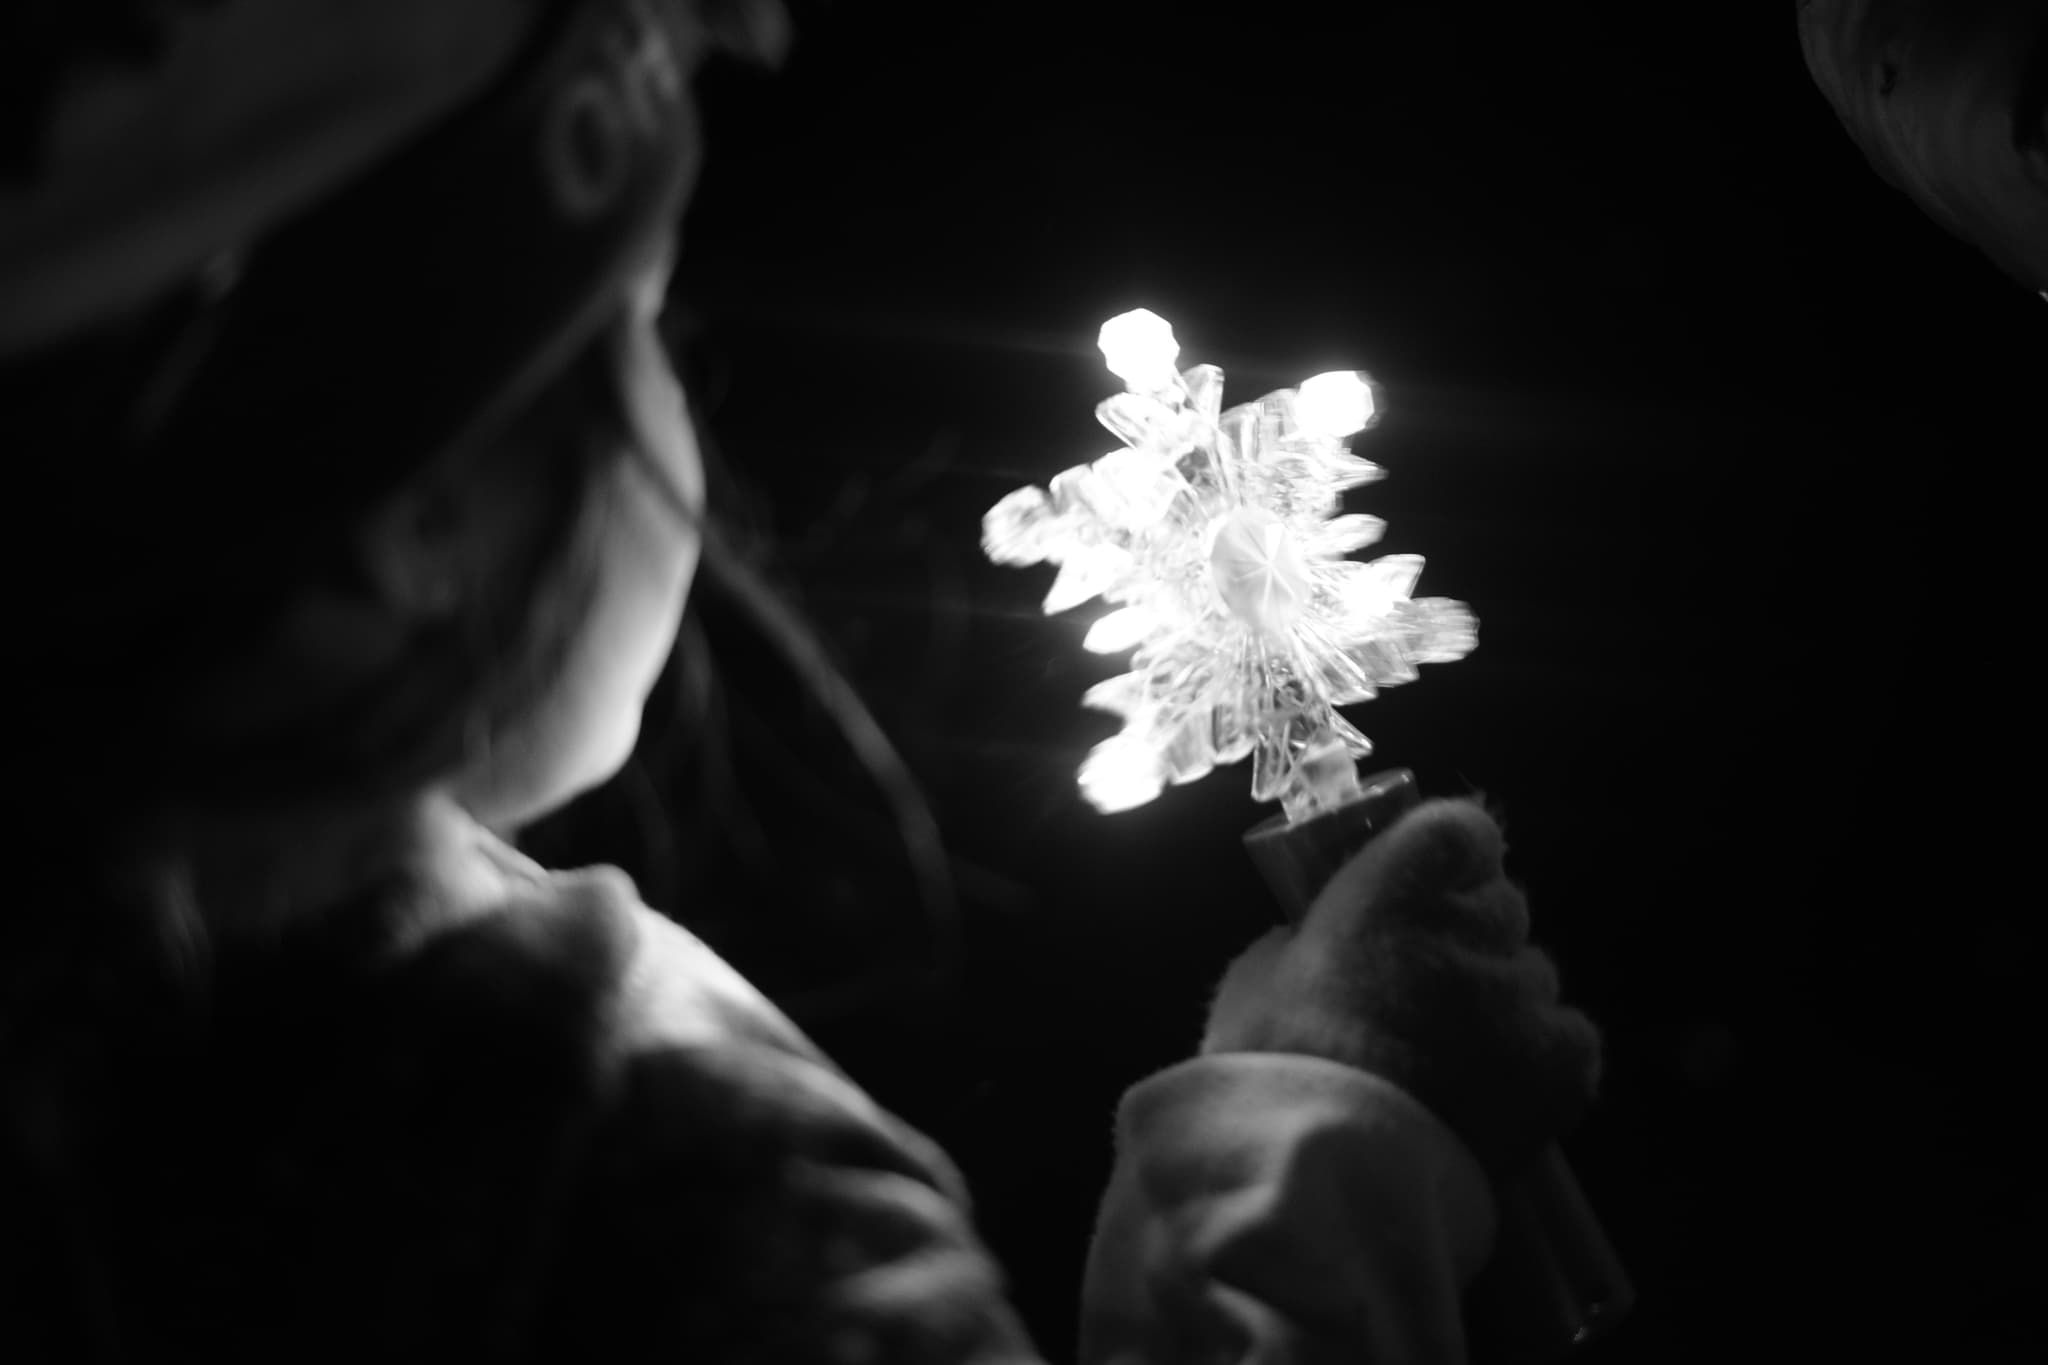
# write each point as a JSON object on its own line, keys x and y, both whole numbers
{"x": 1216, "y": 535}
{"x": 1019, "y": 529}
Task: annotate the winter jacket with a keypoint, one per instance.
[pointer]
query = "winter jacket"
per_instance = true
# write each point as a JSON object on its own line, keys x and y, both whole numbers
{"x": 556, "y": 1125}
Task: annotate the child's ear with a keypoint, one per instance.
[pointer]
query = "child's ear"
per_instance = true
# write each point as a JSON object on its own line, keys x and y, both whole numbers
{"x": 414, "y": 547}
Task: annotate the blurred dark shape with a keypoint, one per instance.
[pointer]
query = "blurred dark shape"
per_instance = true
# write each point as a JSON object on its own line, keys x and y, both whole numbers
{"x": 1949, "y": 101}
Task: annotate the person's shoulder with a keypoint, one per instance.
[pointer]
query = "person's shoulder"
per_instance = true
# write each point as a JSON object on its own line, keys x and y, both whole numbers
{"x": 509, "y": 991}
{"x": 726, "y": 1189}
{"x": 744, "y": 1202}
{"x": 579, "y": 951}
{"x": 685, "y": 1058}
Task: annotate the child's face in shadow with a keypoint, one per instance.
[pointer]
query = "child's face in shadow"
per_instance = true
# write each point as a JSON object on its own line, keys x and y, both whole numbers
{"x": 583, "y": 729}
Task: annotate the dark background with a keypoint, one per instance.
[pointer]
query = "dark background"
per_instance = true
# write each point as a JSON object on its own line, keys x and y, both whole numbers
{"x": 1727, "y": 446}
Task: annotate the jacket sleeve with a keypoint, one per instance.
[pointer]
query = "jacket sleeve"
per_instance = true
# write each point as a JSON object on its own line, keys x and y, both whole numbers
{"x": 735, "y": 1197}
{"x": 1277, "y": 1208}
{"x": 739, "y": 1206}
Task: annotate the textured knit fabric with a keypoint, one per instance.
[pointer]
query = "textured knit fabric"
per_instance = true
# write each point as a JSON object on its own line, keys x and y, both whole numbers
{"x": 553, "y": 1125}
{"x": 1277, "y": 1208}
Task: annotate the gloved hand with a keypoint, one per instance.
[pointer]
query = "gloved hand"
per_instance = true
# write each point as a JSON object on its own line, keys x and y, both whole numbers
{"x": 1415, "y": 964}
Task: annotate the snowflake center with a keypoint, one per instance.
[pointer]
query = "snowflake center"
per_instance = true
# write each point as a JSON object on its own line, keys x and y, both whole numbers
{"x": 1258, "y": 570}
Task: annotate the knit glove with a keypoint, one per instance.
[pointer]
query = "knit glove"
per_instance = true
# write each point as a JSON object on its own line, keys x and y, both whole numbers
{"x": 1415, "y": 964}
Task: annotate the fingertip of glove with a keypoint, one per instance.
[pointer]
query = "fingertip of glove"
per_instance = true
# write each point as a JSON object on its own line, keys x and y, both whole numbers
{"x": 1445, "y": 848}
{"x": 1450, "y": 842}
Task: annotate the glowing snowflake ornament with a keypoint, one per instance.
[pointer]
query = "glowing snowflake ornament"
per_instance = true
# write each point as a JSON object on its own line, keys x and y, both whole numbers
{"x": 1215, "y": 536}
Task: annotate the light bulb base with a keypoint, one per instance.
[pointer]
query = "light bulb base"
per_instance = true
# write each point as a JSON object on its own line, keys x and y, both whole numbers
{"x": 1297, "y": 857}
{"x": 1554, "y": 1284}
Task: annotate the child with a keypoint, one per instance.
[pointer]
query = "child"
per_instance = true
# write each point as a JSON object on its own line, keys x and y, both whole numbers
{"x": 328, "y": 336}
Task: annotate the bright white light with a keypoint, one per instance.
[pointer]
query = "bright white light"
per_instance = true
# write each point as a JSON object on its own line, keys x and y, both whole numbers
{"x": 1334, "y": 404}
{"x": 1120, "y": 629}
{"x": 1217, "y": 536}
{"x": 1140, "y": 349}
{"x": 1119, "y": 774}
